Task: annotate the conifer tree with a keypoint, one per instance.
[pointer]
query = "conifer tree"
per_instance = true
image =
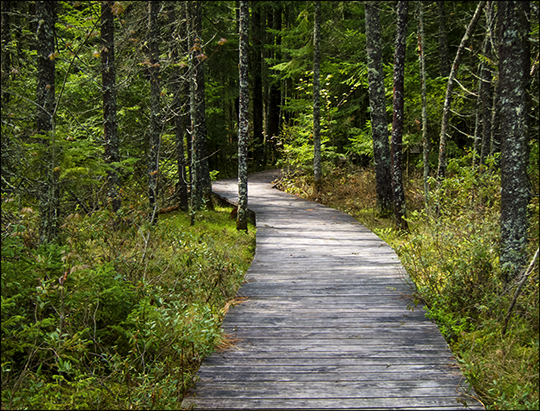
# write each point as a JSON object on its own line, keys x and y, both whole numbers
{"x": 154, "y": 140}
{"x": 110, "y": 125}
{"x": 316, "y": 94}
{"x": 397, "y": 122}
{"x": 45, "y": 99}
{"x": 201, "y": 185}
{"x": 514, "y": 69}
{"x": 377, "y": 101}
{"x": 243, "y": 119}
{"x": 256, "y": 75}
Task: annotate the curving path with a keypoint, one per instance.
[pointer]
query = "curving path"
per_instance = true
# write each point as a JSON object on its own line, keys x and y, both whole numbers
{"x": 326, "y": 323}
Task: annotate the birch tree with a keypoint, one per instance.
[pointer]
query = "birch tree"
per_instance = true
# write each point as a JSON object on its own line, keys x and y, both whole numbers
{"x": 377, "y": 102}
{"x": 514, "y": 74}
{"x": 243, "y": 119}
{"x": 397, "y": 122}
{"x": 316, "y": 95}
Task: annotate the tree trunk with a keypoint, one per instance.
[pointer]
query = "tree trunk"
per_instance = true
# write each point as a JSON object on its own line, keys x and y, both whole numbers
{"x": 486, "y": 95}
{"x": 425, "y": 140}
{"x": 201, "y": 184}
{"x": 243, "y": 118}
{"x": 441, "y": 170}
{"x": 154, "y": 138}
{"x": 6, "y": 52}
{"x": 397, "y": 122}
{"x": 444, "y": 57}
{"x": 316, "y": 95}
{"x": 180, "y": 109}
{"x": 49, "y": 196}
{"x": 256, "y": 46}
{"x": 274, "y": 93}
{"x": 377, "y": 101}
{"x": 514, "y": 76}
{"x": 495, "y": 135}
{"x": 110, "y": 124}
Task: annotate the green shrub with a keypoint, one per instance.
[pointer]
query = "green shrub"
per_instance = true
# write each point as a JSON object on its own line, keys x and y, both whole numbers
{"x": 121, "y": 314}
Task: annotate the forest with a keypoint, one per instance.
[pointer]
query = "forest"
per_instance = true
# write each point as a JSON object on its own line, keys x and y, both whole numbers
{"x": 418, "y": 118}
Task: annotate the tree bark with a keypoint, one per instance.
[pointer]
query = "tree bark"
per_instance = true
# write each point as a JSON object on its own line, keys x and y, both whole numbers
{"x": 201, "y": 185}
{"x": 514, "y": 76}
{"x": 110, "y": 124}
{"x": 377, "y": 101}
{"x": 425, "y": 140}
{"x": 444, "y": 58}
{"x": 316, "y": 95}
{"x": 441, "y": 170}
{"x": 49, "y": 196}
{"x": 486, "y": 95}
{"x": 243, "y": 118}
{"x": 154, "y": 138}
{"x": 397, "y": 122}
{"x": 6, "y": 52}
{"x": 180, "y": 106}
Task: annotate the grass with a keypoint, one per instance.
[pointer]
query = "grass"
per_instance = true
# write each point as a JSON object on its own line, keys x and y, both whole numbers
{"x": 453, "y": 261}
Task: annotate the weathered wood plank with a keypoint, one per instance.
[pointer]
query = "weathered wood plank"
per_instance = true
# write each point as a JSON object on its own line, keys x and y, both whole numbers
{"x": 437, "y": 403}
{"x": 329, "y": 321}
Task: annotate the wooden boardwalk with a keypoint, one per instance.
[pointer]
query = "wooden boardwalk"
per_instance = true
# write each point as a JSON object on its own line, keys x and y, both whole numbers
{"x": 326, "y": 323}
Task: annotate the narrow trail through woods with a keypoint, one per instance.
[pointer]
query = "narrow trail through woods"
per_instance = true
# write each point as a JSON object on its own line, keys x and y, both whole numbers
{"x": 326, "y": 322}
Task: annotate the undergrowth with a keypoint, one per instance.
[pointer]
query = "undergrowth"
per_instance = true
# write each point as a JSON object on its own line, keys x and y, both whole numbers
{"x": 119, "y": 313}
{"x": 452, "y": 257}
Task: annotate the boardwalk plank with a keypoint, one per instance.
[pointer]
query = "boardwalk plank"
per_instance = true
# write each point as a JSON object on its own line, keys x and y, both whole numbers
{"x": 328, "y": 322}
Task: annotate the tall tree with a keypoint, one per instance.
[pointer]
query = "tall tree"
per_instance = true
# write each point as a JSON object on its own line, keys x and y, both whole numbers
{"x": 422, "y": 64}
{"x": 397, "y": 122}
{"x": 201, "y": 185}
{"x": 256, "y": 63}
{"x": 377, "y": 102}
{"x": 243, "y": 117}
{"x": 486, "y": 91}
{"x": 316, "y": 94}
{"x": 274, "y": 93}
{"x": 154, "y": 138}
{"x": 441, "y": 170}
{"x": 110, "y": 124}
{"x": 180, "y": 105}
{"x": 49, "y": 196}
{"x": 514, "y": 69}
{"x": 6, "y": 52}
{"x": 444, "y": 57}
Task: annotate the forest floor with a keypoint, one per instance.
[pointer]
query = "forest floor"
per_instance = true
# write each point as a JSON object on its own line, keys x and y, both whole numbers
{"x": 453, "y": 261}
{"x": 119, "y": 313}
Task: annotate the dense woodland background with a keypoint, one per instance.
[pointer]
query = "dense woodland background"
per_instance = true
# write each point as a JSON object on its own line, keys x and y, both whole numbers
{"x": 117, "y": 263}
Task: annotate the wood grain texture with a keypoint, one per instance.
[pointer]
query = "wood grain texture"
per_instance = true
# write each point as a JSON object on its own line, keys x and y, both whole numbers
{"x": 329, "y": 321}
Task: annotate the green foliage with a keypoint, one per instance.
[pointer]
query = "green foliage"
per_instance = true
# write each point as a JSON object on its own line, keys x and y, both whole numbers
{"x": 122, "y": 314}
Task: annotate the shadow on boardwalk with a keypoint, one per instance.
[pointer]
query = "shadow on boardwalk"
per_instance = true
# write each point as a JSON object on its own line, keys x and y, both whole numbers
{"x": 327, "y": 322}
